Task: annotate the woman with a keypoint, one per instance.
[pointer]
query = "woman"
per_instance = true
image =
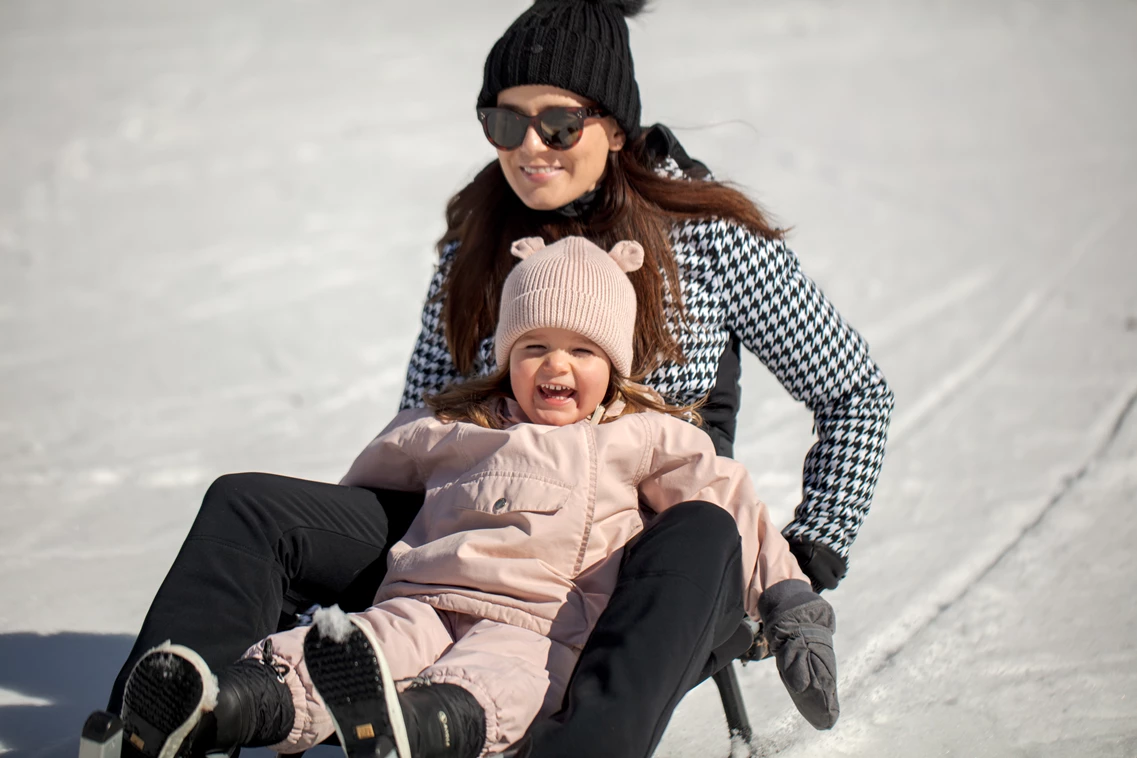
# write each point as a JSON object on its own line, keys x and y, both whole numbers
{"x": 560, "y": 100}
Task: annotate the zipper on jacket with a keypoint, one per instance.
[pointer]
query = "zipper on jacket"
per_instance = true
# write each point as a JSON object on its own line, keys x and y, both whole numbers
{"x": 590, "y": 512}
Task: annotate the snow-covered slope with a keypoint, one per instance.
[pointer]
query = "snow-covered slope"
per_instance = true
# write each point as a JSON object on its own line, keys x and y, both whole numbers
{"x": 216, "y": 227}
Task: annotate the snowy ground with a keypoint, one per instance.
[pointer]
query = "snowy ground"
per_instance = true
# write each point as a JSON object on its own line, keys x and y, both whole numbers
{"x": 216, "y": 226}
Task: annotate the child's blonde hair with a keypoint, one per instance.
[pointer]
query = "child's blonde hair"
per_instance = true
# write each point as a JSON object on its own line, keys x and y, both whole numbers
{"x": 480, "y": 401}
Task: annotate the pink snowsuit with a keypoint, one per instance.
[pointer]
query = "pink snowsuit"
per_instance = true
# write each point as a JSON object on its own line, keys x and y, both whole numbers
{"x": 504, "y": 572}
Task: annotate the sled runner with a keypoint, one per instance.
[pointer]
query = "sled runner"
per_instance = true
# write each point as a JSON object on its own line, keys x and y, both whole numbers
{"x": 102, "y": 736}
{"x": 748, "y": 644}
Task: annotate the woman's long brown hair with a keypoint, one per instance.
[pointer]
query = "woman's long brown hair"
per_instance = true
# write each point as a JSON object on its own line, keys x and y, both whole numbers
{"x": 479, "y": 400}
{"x": 486, "y": 216}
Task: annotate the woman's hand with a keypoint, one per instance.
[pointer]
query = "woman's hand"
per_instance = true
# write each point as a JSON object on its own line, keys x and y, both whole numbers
{"x": 819, "y": 562}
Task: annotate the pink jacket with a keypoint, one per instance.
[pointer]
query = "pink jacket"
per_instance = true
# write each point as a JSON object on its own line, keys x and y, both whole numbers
{"x": 526, "y": 525}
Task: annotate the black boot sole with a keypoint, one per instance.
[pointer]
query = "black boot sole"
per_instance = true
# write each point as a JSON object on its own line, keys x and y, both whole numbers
{"x": 168, "y": 690}
{"x": 354, "y": 680}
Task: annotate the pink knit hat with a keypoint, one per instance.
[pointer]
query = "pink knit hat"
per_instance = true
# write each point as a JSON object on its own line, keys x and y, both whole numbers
{"x": 571, "y": 284}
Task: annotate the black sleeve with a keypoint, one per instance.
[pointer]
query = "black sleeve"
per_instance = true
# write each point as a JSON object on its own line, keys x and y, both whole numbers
{"x": 720, "y": 410}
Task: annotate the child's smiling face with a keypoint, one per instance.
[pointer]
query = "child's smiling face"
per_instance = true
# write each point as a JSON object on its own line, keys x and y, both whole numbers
{"x": 558, "y": 377}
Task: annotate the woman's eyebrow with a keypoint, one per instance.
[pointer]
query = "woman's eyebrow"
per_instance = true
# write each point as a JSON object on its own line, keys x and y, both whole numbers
{"x": 543, "y": 107}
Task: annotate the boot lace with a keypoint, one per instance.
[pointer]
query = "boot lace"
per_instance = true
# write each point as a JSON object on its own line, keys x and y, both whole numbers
{"x": 268, "y": 658}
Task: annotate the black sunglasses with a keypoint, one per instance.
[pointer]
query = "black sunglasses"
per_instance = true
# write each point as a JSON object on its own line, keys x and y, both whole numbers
{"x": 559, "y": 128}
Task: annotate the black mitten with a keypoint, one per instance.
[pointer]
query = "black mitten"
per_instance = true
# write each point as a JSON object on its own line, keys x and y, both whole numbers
{"x": 799, "y": 627}
{"x": 819, "y": 562}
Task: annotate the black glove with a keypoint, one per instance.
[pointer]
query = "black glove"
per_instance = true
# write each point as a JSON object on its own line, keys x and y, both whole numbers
{"x": 819, "y": 562}
{"x": 799, "y": 627}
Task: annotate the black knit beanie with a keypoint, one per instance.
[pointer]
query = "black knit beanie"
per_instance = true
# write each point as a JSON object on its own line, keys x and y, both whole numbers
{"x": 577, "y": 45}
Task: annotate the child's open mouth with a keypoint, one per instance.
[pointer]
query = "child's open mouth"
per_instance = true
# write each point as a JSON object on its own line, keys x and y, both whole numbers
{"x": 556, "y": 393}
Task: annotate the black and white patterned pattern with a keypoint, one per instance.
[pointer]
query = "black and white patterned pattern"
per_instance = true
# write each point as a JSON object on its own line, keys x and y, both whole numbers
{"x": 737, "y": 282}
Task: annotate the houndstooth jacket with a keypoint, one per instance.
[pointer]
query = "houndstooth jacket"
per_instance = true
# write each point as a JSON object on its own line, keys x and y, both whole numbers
{"x": 738, "y": 286}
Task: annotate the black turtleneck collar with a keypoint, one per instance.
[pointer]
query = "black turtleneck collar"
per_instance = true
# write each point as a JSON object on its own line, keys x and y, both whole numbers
{"x": 581, "y": 206}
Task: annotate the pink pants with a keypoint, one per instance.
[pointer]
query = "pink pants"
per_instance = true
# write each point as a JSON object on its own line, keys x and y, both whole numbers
{"x": 514, "y": 673}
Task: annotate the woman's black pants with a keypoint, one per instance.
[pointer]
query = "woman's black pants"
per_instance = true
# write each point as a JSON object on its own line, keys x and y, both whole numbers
{"x": 264, "y": 547}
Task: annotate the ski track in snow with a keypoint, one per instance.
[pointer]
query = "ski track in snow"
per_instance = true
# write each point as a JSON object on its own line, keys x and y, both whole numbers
{"x": 911, "y": 418}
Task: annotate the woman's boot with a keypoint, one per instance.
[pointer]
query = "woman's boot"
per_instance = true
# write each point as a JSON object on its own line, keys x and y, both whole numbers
{"x": 371, "y": 718}
{"x": 174, "y": 707}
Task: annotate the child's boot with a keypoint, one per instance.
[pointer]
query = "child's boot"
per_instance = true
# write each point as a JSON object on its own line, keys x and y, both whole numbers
{"x": 371, "y": 718}
{"x": 443, "y": 721}
{"x": 254, "y": 705}
{"x": 174, "y": 707}
{"x": 168, "y": 692}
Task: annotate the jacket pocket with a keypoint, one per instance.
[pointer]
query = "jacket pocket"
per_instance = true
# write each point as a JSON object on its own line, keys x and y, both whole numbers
{"x": 503, "y": 492}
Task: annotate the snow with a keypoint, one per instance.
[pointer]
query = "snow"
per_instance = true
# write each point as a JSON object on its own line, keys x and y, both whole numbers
{"x": 216, "y": 229}
{"x": 333, "y": 623}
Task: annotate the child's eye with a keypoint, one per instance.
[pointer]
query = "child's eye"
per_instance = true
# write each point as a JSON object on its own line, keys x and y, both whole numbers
{"x": 584, "y": 351}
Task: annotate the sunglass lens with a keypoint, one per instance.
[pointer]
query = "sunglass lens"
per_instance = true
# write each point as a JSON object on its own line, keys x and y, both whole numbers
{"x": 560, "y": 128}
{"x": 504, "y": 128}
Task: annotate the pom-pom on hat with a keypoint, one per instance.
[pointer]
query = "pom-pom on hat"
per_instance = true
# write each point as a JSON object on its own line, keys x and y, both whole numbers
{"x": 577, "y": 45}
{"x": 571, "y": 284}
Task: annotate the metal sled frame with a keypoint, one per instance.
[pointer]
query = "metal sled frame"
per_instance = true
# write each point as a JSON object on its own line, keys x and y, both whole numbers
{"x": 737, "y": 719}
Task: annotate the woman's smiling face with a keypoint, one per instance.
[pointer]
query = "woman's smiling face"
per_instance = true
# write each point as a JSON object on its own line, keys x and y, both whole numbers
{"x": 558, "y": 377}
{"x": 545, "y": 178}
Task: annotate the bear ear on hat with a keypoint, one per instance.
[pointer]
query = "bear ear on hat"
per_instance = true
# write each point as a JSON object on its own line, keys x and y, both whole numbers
{"x": 526, "y": 246}
{"x": 628, "y": 255}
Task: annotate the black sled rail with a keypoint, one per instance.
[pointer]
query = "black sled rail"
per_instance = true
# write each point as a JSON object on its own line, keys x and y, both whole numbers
{"x": 101, "y": 737}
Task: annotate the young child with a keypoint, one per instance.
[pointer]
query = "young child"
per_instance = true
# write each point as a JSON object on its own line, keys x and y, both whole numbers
{"x": 536, "y": 478}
